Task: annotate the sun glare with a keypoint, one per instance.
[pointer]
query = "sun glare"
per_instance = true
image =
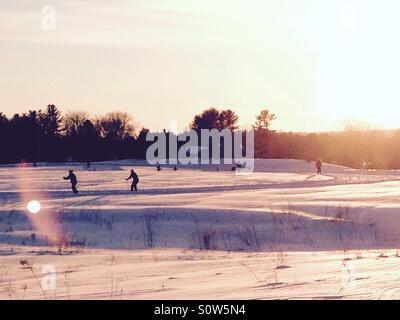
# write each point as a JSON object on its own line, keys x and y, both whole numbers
{"x": 34, "y": 206}
{"x": 357, "y": 62}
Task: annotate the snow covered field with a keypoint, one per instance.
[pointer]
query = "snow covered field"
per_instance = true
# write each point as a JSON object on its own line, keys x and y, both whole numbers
{"x": 280, "y": 232}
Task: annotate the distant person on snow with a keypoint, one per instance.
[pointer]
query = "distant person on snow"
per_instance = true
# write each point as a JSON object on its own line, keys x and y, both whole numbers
{"x": 73, "y": 179}
{"x": 135, "y": 180}
{"x": 318, "y": 164}
{"x": 175, "y": 168}
{"x": 158, "y": 168}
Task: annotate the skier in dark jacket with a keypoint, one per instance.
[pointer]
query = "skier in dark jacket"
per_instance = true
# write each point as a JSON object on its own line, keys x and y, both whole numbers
{"x": 318, "y": 164}
{"x": 73, "y": 179}
{"x": 135, "y": 180}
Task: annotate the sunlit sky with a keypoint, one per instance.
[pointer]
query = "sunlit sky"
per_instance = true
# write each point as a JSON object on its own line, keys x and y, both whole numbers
{"x": 316, "y": 63}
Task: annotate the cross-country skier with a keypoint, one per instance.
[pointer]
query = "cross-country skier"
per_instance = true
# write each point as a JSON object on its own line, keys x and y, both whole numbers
{"x": 135, "y": 180}
{"x": 318, "y": 164}
{"x": 73, "y": 179}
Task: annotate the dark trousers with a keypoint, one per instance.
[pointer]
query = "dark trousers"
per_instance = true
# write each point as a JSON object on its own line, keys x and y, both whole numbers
{"x": 134, "y": 186}
{"x": 73, "y": 187}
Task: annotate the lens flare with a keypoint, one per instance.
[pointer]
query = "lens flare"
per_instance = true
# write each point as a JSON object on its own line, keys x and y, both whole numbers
{"x": 33, "y": 206}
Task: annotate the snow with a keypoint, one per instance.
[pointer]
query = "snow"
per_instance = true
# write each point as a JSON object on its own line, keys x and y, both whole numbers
{"x": 281, "y": 232}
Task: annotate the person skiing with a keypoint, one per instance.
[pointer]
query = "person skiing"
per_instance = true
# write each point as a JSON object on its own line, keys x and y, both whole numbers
{"x": 73, "y": 179}
{"x": 135, "y": 180}
{"x": 158, "y": 167}
{"x": 318, "y": 164}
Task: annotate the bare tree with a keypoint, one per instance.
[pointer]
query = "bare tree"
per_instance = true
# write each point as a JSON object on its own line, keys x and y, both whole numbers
{"x": 73, "y": 122}
{"x": 116, "y": 126}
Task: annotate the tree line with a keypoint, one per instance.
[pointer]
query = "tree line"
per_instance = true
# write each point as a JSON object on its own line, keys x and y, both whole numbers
{"x": 49, "y": 136}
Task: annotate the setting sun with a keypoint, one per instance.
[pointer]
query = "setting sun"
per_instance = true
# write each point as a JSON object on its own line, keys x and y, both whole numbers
{"x": 33, "y": 206}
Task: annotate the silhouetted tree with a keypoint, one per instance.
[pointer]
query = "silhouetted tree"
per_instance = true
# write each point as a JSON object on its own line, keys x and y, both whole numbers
{"x": 73, "y": 122}
{"x": 37, "y": 134}
{"x": 4, "y": 138}
{"x": 264, "y": 119}
{"x": 89, "y": 138}
{"x": 214, "y": 119}
{"x": 141, "y": 144}
{"x": 206, "y": 120}
{"x": 261, "y": 133}
{"x": 227, "y": 119}
{"x": 51, "y": 121}
{"x": 50, "y": 126}
{"x": 116, "y": 126}
{"x": 23, "y": 133}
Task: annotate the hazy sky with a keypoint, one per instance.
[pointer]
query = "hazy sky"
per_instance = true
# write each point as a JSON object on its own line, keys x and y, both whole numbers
{"x": 315, "y": 63}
